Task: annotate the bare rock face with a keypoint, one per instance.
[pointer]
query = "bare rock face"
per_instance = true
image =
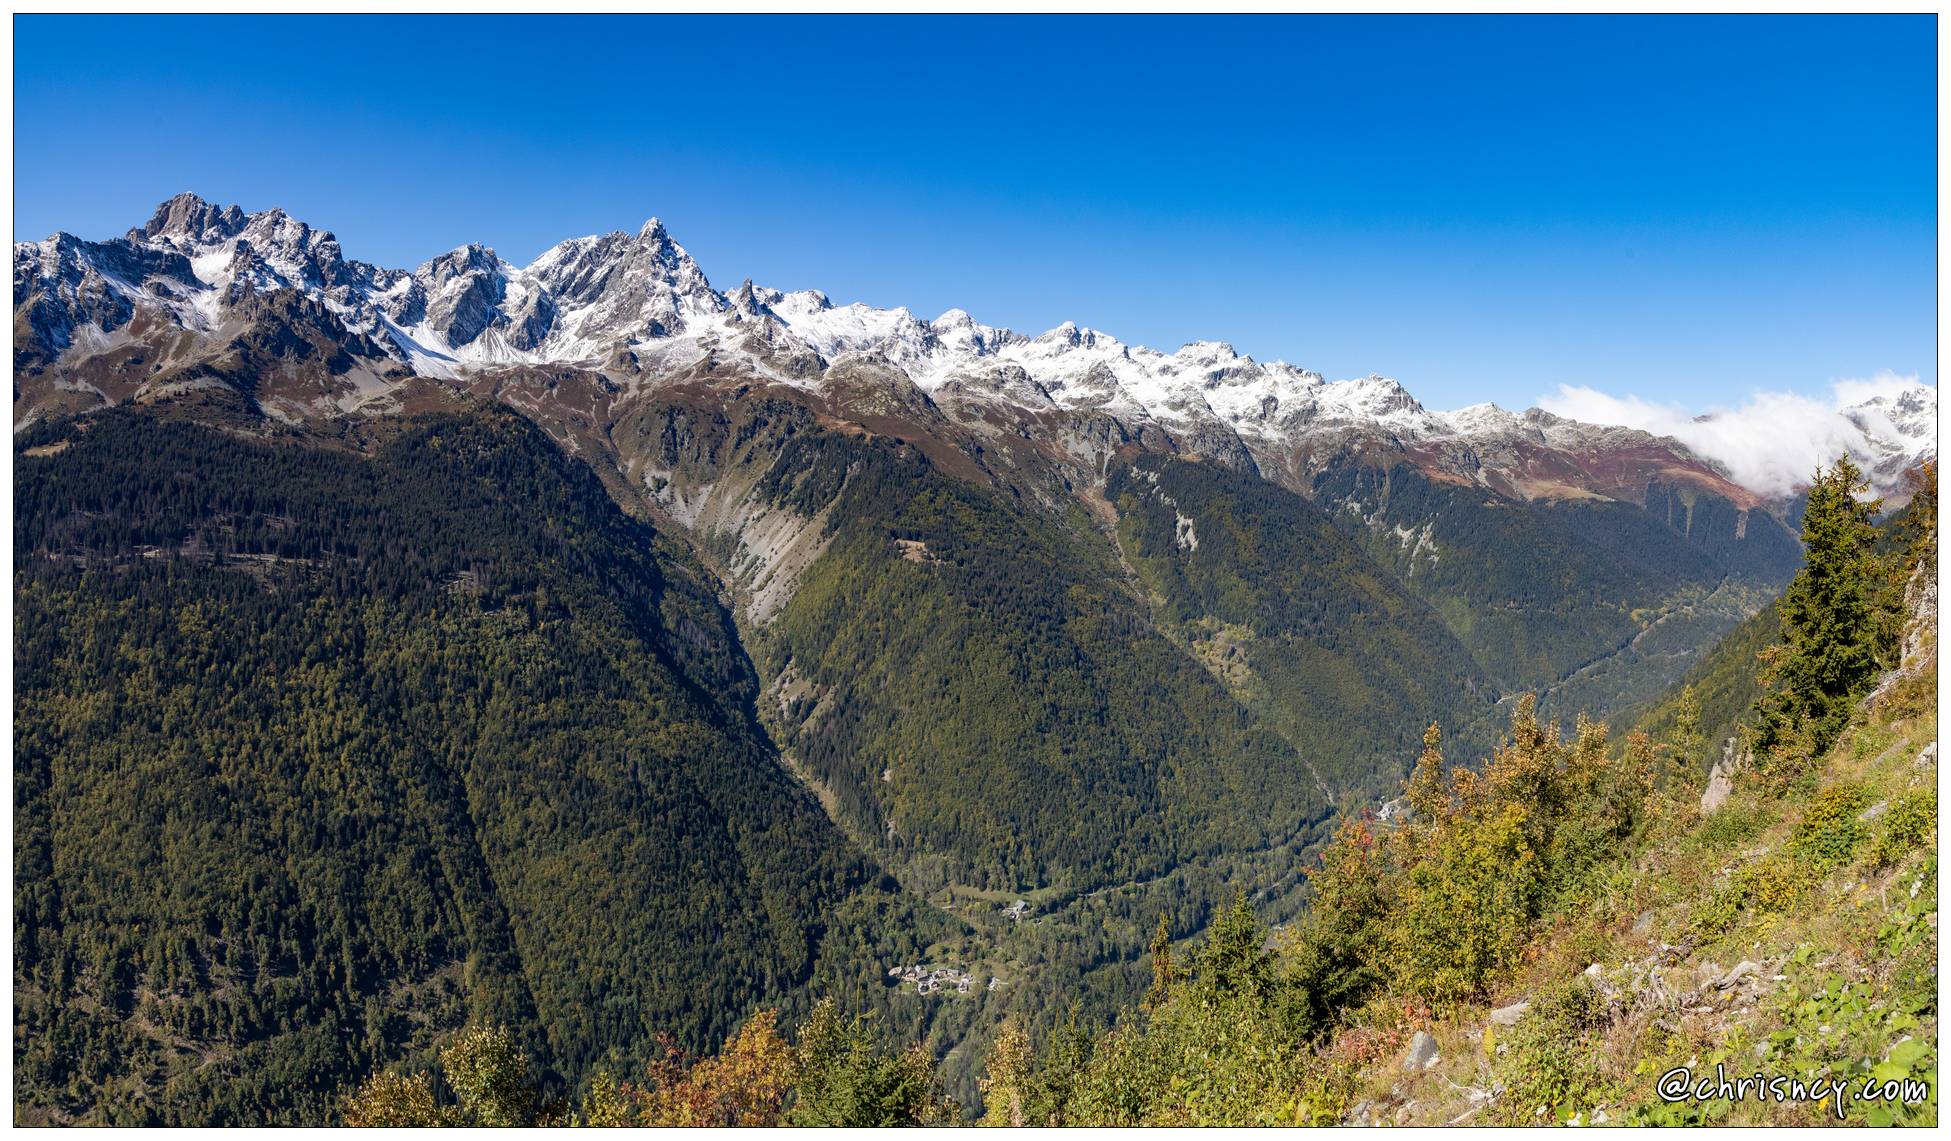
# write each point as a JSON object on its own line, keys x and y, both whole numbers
{"x": 1920, "y": 634}
{"x": 65, "y": 286}
{"x": 622, "y": 287}
{"x": 1919, "y": 648}
{"x": 1720, "y": 780}
{"x": 190, "y": 219}
{"x": 462, "y": 290}
{"x": 1719, "y": 787}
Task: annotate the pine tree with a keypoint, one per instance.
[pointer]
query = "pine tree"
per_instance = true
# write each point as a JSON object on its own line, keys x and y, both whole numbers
{"x": 847, "y": 1080}
{"x": 1233, "y": 961}
{"x": 1164, "y": 973}
{"x": 1830, "y": 622}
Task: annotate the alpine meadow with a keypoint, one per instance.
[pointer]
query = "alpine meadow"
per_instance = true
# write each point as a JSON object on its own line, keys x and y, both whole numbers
{"x": 594, "y": 692}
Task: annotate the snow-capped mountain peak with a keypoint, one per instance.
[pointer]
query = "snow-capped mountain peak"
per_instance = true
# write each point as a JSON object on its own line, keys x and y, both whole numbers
{"x": 188, "y": 219}
{"x": 639, "y": 302}
{"x": 1897, "y": 429}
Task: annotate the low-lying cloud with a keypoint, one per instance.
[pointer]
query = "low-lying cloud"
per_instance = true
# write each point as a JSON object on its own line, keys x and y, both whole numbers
{"x": 1772, "y": 443}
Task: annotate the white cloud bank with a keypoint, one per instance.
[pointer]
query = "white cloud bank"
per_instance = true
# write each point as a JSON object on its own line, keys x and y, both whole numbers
{"x": 1773, "y": 442}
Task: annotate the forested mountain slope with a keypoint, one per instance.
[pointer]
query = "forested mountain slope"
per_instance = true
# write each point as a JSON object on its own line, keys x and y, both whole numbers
{"x": 1588, "y": 931}
{"x": 1585, "y": 562}
{"x": 1578, "y": 929}
{"x": 1719, "y": 690}
{"x": 1312, "y": 634}
{"x": 1595, "y": 603}
{"x": 321, "y": 754}
{"x": 973, "y": 683}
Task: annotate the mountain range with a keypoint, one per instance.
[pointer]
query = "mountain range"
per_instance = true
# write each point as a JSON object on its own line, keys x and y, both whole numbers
{"x": 638, "y": 310}
{"x": 604, "y": 339}
{"x": 906, "y": 619}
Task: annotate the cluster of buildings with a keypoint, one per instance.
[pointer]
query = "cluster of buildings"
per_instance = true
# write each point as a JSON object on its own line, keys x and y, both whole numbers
{"x": 930, "y": 980}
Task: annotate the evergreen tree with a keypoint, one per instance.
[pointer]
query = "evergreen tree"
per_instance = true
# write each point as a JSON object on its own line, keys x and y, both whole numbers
{"x": 1164, "y": 973}
{"x": 1830, "y": 624}
{"x": 847, "y": 1080}
{"x": 1341, "y": 957}
{"x": 1233, "y": 960}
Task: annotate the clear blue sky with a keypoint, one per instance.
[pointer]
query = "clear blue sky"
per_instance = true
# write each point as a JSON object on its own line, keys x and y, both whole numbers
{"x": 1685, "y": 209}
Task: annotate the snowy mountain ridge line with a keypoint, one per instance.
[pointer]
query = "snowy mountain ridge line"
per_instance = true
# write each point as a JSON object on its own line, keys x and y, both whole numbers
{"x": 641, "y": 303}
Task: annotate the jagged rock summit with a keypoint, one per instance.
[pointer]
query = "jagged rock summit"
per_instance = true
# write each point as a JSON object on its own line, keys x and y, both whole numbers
{"x": 637, "y": 308}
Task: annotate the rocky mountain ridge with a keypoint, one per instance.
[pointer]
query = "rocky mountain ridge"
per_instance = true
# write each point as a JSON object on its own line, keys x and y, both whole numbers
{"x": 638, "y": 311}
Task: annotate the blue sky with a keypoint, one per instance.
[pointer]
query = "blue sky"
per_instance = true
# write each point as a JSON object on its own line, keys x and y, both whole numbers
{"x": 1684, "y": 210}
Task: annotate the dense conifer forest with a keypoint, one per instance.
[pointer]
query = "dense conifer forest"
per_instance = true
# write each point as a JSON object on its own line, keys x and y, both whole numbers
{"x": 1322, "y": 642}
{"x": 977, "y": 685}
{"x": 320, "y": 757}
